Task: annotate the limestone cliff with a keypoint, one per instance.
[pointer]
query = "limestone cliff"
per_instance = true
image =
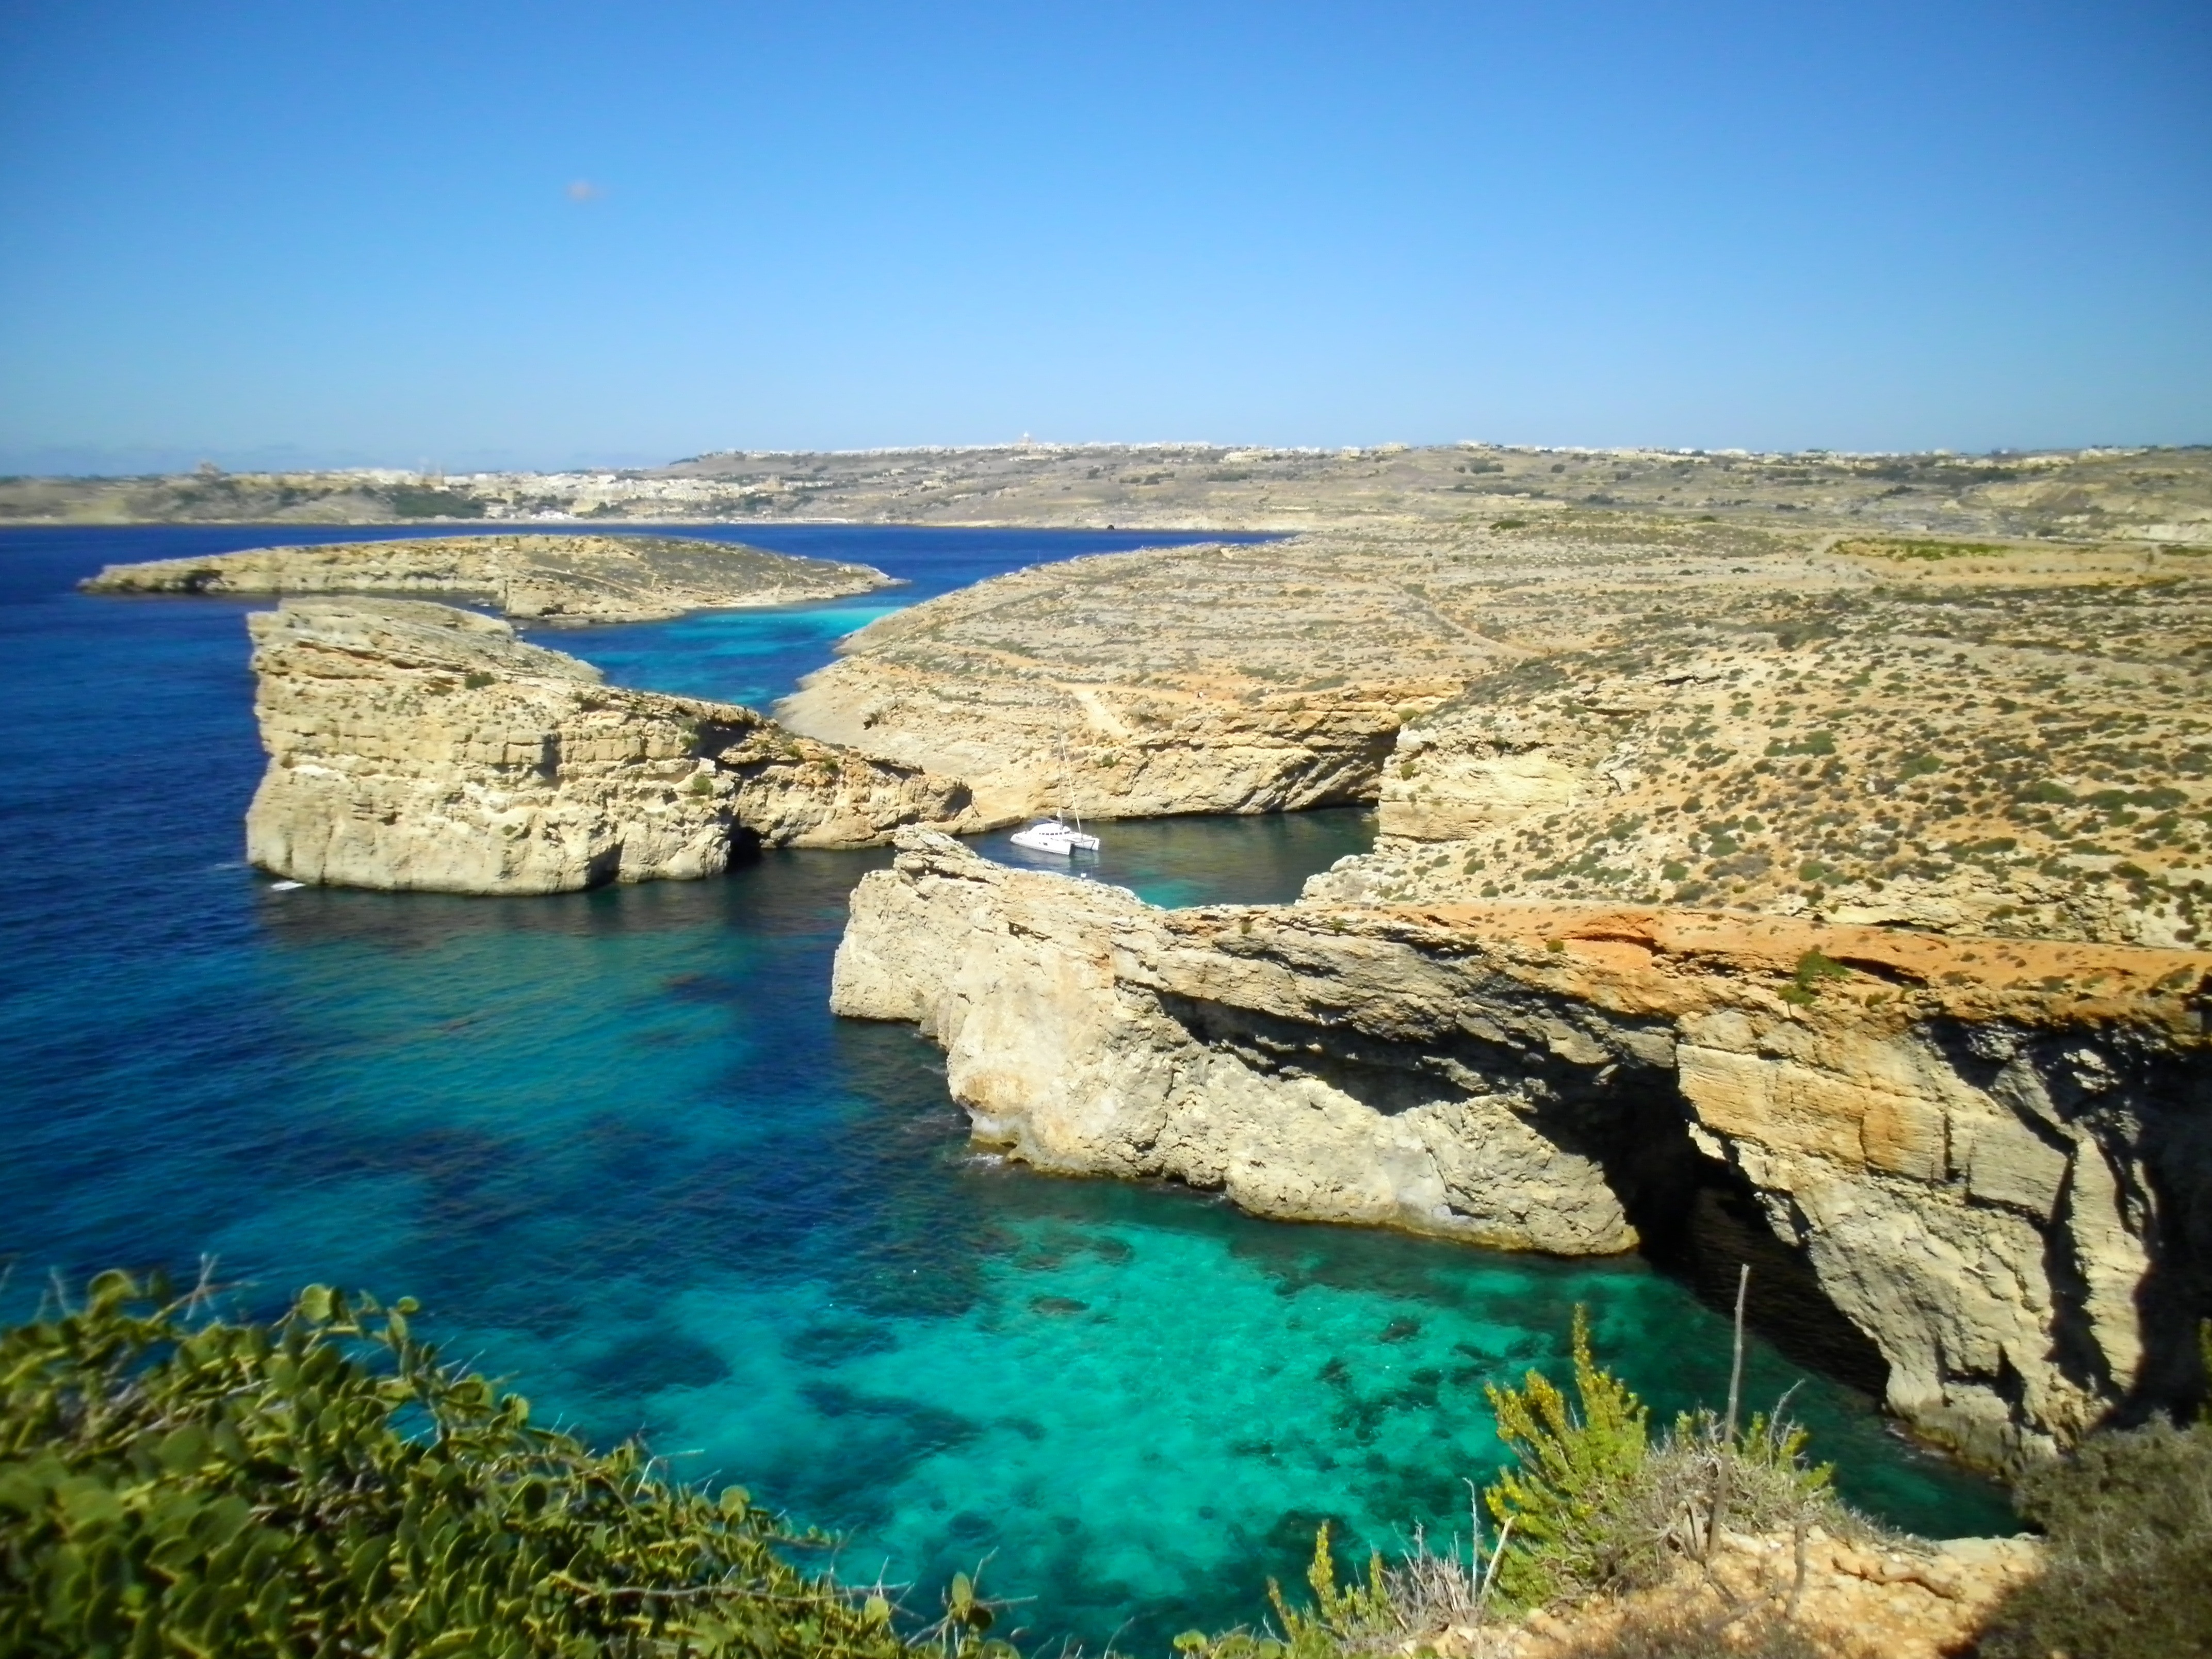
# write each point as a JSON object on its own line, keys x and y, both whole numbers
{"x": 1995, "y": 1155}
{"x": 541, "y": 578}
{"x": 1997, "y": 740}
{"x": 1209, "y": 679}
{"x": 413, "y": 746}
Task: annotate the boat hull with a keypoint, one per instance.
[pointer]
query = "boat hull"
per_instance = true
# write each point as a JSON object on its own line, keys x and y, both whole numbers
{"x": 1055, "y": 837}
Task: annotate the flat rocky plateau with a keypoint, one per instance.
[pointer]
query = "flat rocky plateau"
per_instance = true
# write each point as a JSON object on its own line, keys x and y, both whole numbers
{"x": 2014, "y": 739}
{"x": 567, "y": 579}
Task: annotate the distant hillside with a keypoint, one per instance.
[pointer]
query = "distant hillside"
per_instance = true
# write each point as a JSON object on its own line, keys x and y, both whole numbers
{"x": 2135, "y": 494}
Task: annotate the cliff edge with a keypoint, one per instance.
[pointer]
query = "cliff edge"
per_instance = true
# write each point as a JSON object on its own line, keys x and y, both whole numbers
{"x": 415, "y": 746}
{"x": 1993, "y": 1157}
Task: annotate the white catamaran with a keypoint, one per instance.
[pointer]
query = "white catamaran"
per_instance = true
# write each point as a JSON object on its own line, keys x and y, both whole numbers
{"x": 1061, "y": 834}
{"x": 1051, "y": 835}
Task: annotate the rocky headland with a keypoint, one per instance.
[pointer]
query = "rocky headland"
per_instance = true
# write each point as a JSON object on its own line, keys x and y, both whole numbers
{"x": 550, "y": 579}
{"x": 1847, "y": 887}
{"x": 2010, "y": 738}
{"x": 416, "y": 747}
{"x": 1992, "y": 1157}
{"x": 1839, "y": 894}
{"x": 1229, "y": 678}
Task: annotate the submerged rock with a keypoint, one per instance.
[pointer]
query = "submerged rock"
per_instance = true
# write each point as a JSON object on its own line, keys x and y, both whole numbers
{"x": 416, "y": 747}
{"x": 541, "y": 578}
{"x": 1993, "y": 1156}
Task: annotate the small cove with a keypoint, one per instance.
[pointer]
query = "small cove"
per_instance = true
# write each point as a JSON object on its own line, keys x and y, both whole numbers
{"x": 616, "y": 1145}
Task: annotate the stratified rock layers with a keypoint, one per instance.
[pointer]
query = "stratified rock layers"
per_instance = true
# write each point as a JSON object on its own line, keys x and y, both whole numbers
{"x": 1229, "y": 679}
{"x": 542, "y": 578}
{"x": 415, "y": 746}
{"x": 1995, "y": 1155}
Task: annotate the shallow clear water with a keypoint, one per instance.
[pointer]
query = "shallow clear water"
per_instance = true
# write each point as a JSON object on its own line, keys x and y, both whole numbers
{"x": 618, "y": 1147}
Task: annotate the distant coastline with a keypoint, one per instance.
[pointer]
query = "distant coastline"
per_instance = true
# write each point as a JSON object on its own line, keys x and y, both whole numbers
{"x": 2161, "y": 496}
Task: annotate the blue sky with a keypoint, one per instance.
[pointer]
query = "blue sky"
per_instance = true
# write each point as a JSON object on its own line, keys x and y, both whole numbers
{"x": 555, "y": 233}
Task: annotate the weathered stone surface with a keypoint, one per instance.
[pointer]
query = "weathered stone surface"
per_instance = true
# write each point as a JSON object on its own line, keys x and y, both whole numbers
{"x": 1935, "y": 758}
{"x": 1090, "y": 1032}
{"x": 541, "y": 577}
{"x": 1141, "y": 685}
{"x": 2008, "y": 741}
{"x": 1995, "y": 1155}
{"x": 1865, "y": 1600}
{"x": 413, "y": 746}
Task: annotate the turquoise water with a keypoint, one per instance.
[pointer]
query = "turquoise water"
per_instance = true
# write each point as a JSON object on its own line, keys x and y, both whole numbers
{"x": 619, "y": 1148}
{"x": 1206, "y": 860}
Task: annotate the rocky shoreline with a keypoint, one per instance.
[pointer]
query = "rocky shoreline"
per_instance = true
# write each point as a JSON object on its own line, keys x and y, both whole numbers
{"x": 1685, "y": 887}
{"x": 1992, "y": 1156}
{"x": 415, "y": 746}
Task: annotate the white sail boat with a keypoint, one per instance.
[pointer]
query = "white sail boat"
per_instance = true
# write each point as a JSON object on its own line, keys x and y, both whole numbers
{"x": 1063, "y": 833}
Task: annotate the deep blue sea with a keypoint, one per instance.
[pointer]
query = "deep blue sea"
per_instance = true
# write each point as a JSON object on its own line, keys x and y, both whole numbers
{"x": 618, "y": 1147}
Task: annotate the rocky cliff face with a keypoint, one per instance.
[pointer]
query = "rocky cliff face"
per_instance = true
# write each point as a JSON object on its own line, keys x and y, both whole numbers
{"x": 540, "y": 578}
{"x": 1214, "y": 679}
{"x": 415, "y": 746}
{"x": 1993, "y": 1156}
{"x": 1996, "y": 739}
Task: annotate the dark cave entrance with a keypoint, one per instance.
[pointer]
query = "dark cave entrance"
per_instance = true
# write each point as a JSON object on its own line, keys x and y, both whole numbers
{"x": 1701, "y": 1222}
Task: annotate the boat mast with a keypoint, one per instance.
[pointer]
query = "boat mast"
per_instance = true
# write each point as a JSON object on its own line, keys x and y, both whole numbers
{"x": 1066, "y": 791}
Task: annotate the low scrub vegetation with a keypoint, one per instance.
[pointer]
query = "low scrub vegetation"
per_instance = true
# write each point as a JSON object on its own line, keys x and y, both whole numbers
{"x": 1593, "y": 1504}
{"x": 173, "y": 1481}
{"x": 2128, "y": 1520}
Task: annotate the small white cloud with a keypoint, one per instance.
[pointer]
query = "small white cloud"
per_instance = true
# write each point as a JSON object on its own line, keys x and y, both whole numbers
{"x": 583, "y": 189}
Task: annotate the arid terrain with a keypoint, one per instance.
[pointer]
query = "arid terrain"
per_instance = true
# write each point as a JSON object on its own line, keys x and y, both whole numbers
{"x": 1772, "y": 843}
{"x": 2013, "y": 738}
{"x": 2150, "y": 495}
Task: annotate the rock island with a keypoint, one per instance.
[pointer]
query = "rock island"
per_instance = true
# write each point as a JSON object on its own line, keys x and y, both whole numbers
{"x": 417, "y": 746}
{"x": 553, "y": 579}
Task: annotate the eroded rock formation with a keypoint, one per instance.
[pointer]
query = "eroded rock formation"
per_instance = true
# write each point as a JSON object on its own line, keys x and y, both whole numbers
{"x": 2000, "y": 739}
{"x": 1214, "y": 679}
{"x": 414, "y": 745}
{"x": 1995, "y": 1156}
{"x": 541, "y": 577}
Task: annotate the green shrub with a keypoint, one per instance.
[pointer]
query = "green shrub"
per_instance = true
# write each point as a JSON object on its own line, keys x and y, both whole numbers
{"x": 1812, "y": 968}
{"x": 174, "y": 1481}
{"x": 2129, "y": 1519}
{"x": 1576, "y": 1469}
{"x": 1592, "y": 1504}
